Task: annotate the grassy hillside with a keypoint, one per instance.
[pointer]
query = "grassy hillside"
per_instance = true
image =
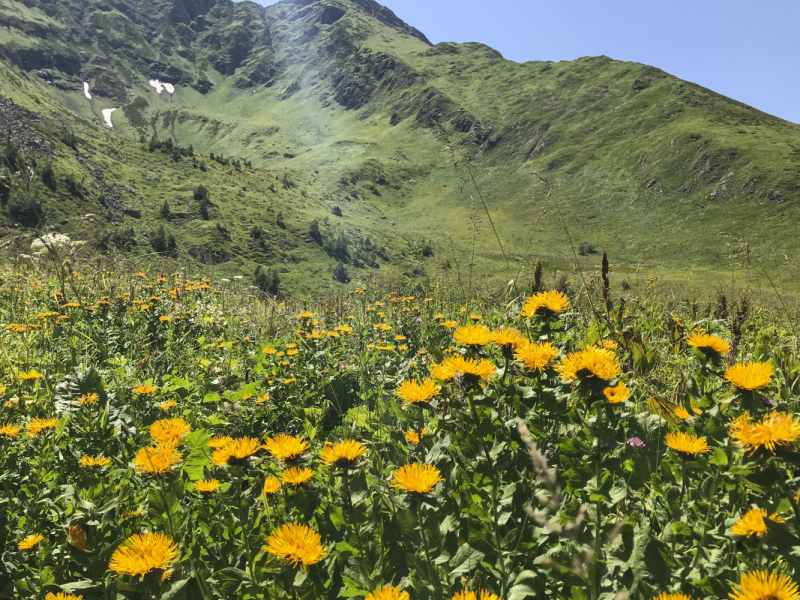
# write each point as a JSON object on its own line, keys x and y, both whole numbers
{"x": 339, "y": 99}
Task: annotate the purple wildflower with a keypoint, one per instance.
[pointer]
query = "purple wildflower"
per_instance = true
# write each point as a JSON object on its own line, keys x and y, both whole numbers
{"x": 634, "y": 441}
{"x": 768, "y": 402}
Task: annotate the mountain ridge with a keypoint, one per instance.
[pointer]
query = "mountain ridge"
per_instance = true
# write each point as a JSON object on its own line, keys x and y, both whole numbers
{"x": 343, "y": 97}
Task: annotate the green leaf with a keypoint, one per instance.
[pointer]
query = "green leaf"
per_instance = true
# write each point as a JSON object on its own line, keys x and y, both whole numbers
{"x": 300, "y": 577}
{"x": 84, "y": 585}
{"x": 199, "y": 456}
{"x": 175, "y": 590}
{"x": 228, "y": 580}
{"x": 465, "y": 560}
{"x": 720, "y": 458}
{"x": 342, "y": 547}
{"x": 680, "y": 528}
{"x": 336, "y": 515}
{"x": 520, "y": 591}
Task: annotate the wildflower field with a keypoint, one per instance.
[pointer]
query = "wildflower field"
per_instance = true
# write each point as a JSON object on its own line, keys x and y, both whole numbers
{"x": 163, "y": 436}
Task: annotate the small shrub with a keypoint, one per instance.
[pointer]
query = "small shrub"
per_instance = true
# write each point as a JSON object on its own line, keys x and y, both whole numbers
{"x": 256, "y": 232}
{"x": 49, "y": 177}
{"x": 74, "y": 187}
{"x": 124, "y": 238}
{"x": 201, "y": 193}
{"x": 163, "y": 243}
{"x": 314, "y": 232}
{"x": 70, "y": 140}
{"x": 267, "y": 281}
{"x": 336, "y": 211}
{"x": 340, "y": 273}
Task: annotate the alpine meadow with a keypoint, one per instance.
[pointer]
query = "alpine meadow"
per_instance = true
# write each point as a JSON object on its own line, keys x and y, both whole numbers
{"x": 297, "y": 305}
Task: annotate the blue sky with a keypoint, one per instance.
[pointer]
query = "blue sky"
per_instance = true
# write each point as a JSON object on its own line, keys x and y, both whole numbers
{"x": 748, "y": 50}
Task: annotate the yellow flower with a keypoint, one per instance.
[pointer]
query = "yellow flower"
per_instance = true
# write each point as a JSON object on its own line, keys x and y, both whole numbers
{"x": 388, "y": 592}
{"x": 545, "y": 304}
{"x": 142, "y": 553}
{"x": 10, "y": 430}
{"x": 617, "y": 394}
{"x": 470, "y": 595}
{"x": 507, "y": 337}
{"x": 157, "y": 461}
{"x": 470, "y": 369}
{"x": 775, "y": 429}
{"x": 682, "y": 413}
{"x": 36, "y": 426}
{"x": 272, "y": 485}
{"x": 290, "y": 380}
{"x": 219, "y": 441}
{"x": 449, "y": 324}
{"x": 417, "y": 393}
{"x": 206, "y": 486}
{"x": 749, "y": 376}
{"x": 30, "y": 542}
{"x": 414, "y": 437}
{"x": 668, "y": 596}
{"x": 342, "y": 454}
{"x": 761, "y": 585}
{"x": 77, "y": 537}
{"x": 62, "y": 596}
{"x": 30, "y": 375}
{"x": 592, "y": 362}
{"x": 235, "y": 452}
{"x": 535, "y": 357}
{"x": 752, "y": 523}
{"x": 297, "y": 476}
{"x": 164, "y": 319}
{"x": 144, "y": 389}
{"x": 708, "y": 343}
{"x": 94, "y": 461}
{"x": 296, "y": 544}
{"x": 169, "y": 431}
{"x": 687, "y": 445}
{"x": 608, "y": 344}
{"x": 87, "y": 399}
{"x": 262, "y": 399}
{"x": 419, "y": 478}
{"x": 474, "y": 335}
{"x": 286, "y": 447}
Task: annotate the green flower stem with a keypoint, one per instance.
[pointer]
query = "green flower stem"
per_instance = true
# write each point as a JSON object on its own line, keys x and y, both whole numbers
{"x": 362, "y": 555}
{"x": 598, "y": 505}
{"x": 496, "y": 528}
{"x": 431, "y": 572}
{"x": 266, "y": 510}
{"x": 421, "y": 426}
{"x": 680, "y": 503}
{"x": 243, "y": 525}
{"x": 711, "y": 505}
{"x": 477, "y": 421}
{"x": 163, "y": 488}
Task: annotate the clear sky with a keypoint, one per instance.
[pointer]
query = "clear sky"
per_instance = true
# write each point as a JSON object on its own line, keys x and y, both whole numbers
{"x": 746, "y": 49}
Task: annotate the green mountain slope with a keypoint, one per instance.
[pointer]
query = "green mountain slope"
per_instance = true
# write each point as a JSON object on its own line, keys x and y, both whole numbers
{"x": 334, "y": 103}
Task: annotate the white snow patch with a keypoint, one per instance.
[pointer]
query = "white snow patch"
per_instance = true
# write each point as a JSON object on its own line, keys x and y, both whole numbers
{"x": 86, "y": 91}
{"x": 107, "y": 116}
{"x": 160, "y": 87}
